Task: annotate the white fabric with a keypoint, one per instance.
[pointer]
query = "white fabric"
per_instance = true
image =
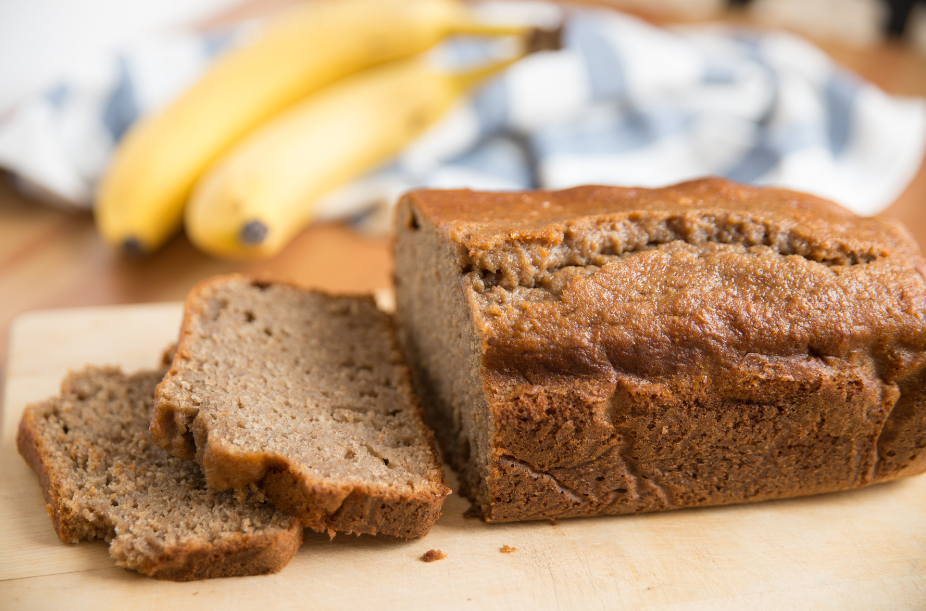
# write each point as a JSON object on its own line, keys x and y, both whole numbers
{"x": 622, "y": 103}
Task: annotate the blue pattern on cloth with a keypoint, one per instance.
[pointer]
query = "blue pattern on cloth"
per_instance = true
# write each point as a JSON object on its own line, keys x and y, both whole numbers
{"x": 623, "y": 102}
{"x": 603, "y": 65}
{"x": 121, "y": 110}
{"x": 841, "y": 91}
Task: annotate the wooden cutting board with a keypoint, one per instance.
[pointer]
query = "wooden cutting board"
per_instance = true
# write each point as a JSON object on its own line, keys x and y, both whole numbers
{"x": 864, "y": 549}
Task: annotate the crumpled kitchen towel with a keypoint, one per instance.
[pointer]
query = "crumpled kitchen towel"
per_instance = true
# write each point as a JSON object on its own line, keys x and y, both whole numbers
{"x": 58, "y": 143}
{"x": 622, "y": 103}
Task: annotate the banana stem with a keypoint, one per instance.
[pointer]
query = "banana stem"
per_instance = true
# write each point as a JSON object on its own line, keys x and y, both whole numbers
{"x": 541, "y": 39}
{"x": 538, "y": 39}
{"x": 471, "y": 78}
{"x": 533, "y": 39}
{"x": 467, "y": 26}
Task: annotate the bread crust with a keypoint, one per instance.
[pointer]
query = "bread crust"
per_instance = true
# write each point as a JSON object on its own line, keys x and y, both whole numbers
{"x": 641, "y": 350}
{"x": 47, "y": 453}
{"x": 244, "y": 554}
{"x": 321, "y": 505}
{"x": 351, "y": 509}
{"x": 70, "y": 525}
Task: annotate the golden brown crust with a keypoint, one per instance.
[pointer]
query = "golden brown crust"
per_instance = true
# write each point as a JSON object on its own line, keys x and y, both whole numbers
{"x": 483, "y": 220}
{"x": 701, "y": 344}
{"x": 170, "y": 426}
{"x": 320, "y": 504}
{"x": 242, "y": 555}
{"x": 352, "y": 509}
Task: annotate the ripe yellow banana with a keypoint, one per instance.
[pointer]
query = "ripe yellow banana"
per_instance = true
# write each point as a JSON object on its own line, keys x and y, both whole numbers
{"x": 141, "y": 197}
{"x": 263, "y": 192}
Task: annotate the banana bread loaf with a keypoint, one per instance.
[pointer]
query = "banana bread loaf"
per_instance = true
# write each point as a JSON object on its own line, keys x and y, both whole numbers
{"x": 606, "y": 350}
{"x": 307, "y": 396}
{"x": 103, "y": 478}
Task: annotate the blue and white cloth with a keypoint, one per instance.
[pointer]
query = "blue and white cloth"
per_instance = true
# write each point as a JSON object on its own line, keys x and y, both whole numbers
{"x": 622, "y": 103}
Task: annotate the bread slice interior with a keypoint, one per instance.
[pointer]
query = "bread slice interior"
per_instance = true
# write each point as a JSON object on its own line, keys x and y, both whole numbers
{"x": 306, "y": 396}
{"x": 103, "y": 478}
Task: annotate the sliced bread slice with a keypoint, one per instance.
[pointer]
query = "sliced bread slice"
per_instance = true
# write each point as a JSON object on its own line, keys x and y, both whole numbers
{"x": 307, "y": 396}
{"x": 103, "y": 478}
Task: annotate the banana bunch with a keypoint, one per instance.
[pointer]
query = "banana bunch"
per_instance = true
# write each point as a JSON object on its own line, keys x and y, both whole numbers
{"x": 327, "y": 91}
{"x": 260, "y": 195}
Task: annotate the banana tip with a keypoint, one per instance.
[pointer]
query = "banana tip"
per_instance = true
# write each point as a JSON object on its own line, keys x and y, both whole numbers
{"x": 253, "y": 233}
{"x": 132, "y": 247}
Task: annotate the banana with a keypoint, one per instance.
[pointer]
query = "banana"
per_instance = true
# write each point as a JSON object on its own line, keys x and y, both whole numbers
{"x": 141, "y": 197}
{"x": 255, "y": 200}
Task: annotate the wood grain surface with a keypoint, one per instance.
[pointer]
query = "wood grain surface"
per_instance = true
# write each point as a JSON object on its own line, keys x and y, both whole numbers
{"x": 864, "y": 549}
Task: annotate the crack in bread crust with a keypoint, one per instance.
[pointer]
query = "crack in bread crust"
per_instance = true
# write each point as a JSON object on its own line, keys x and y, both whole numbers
{"x": 521, "y": 258}
{"x": 617, "y": 239}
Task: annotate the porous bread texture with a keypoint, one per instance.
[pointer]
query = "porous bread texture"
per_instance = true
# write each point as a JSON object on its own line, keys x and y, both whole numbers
{"x": 103, "y": 478}
{"x": 306, "y": 396}
{"x": 604, "y": 350}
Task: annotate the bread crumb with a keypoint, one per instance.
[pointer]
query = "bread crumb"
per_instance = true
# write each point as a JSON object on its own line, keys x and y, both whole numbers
{"x": 554, "y": 522}
{"x": 433, "y": 555}
{"x": 507, "y": 549}
{"x": 472, "y": 512}
{"x": 256, "y": 494}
